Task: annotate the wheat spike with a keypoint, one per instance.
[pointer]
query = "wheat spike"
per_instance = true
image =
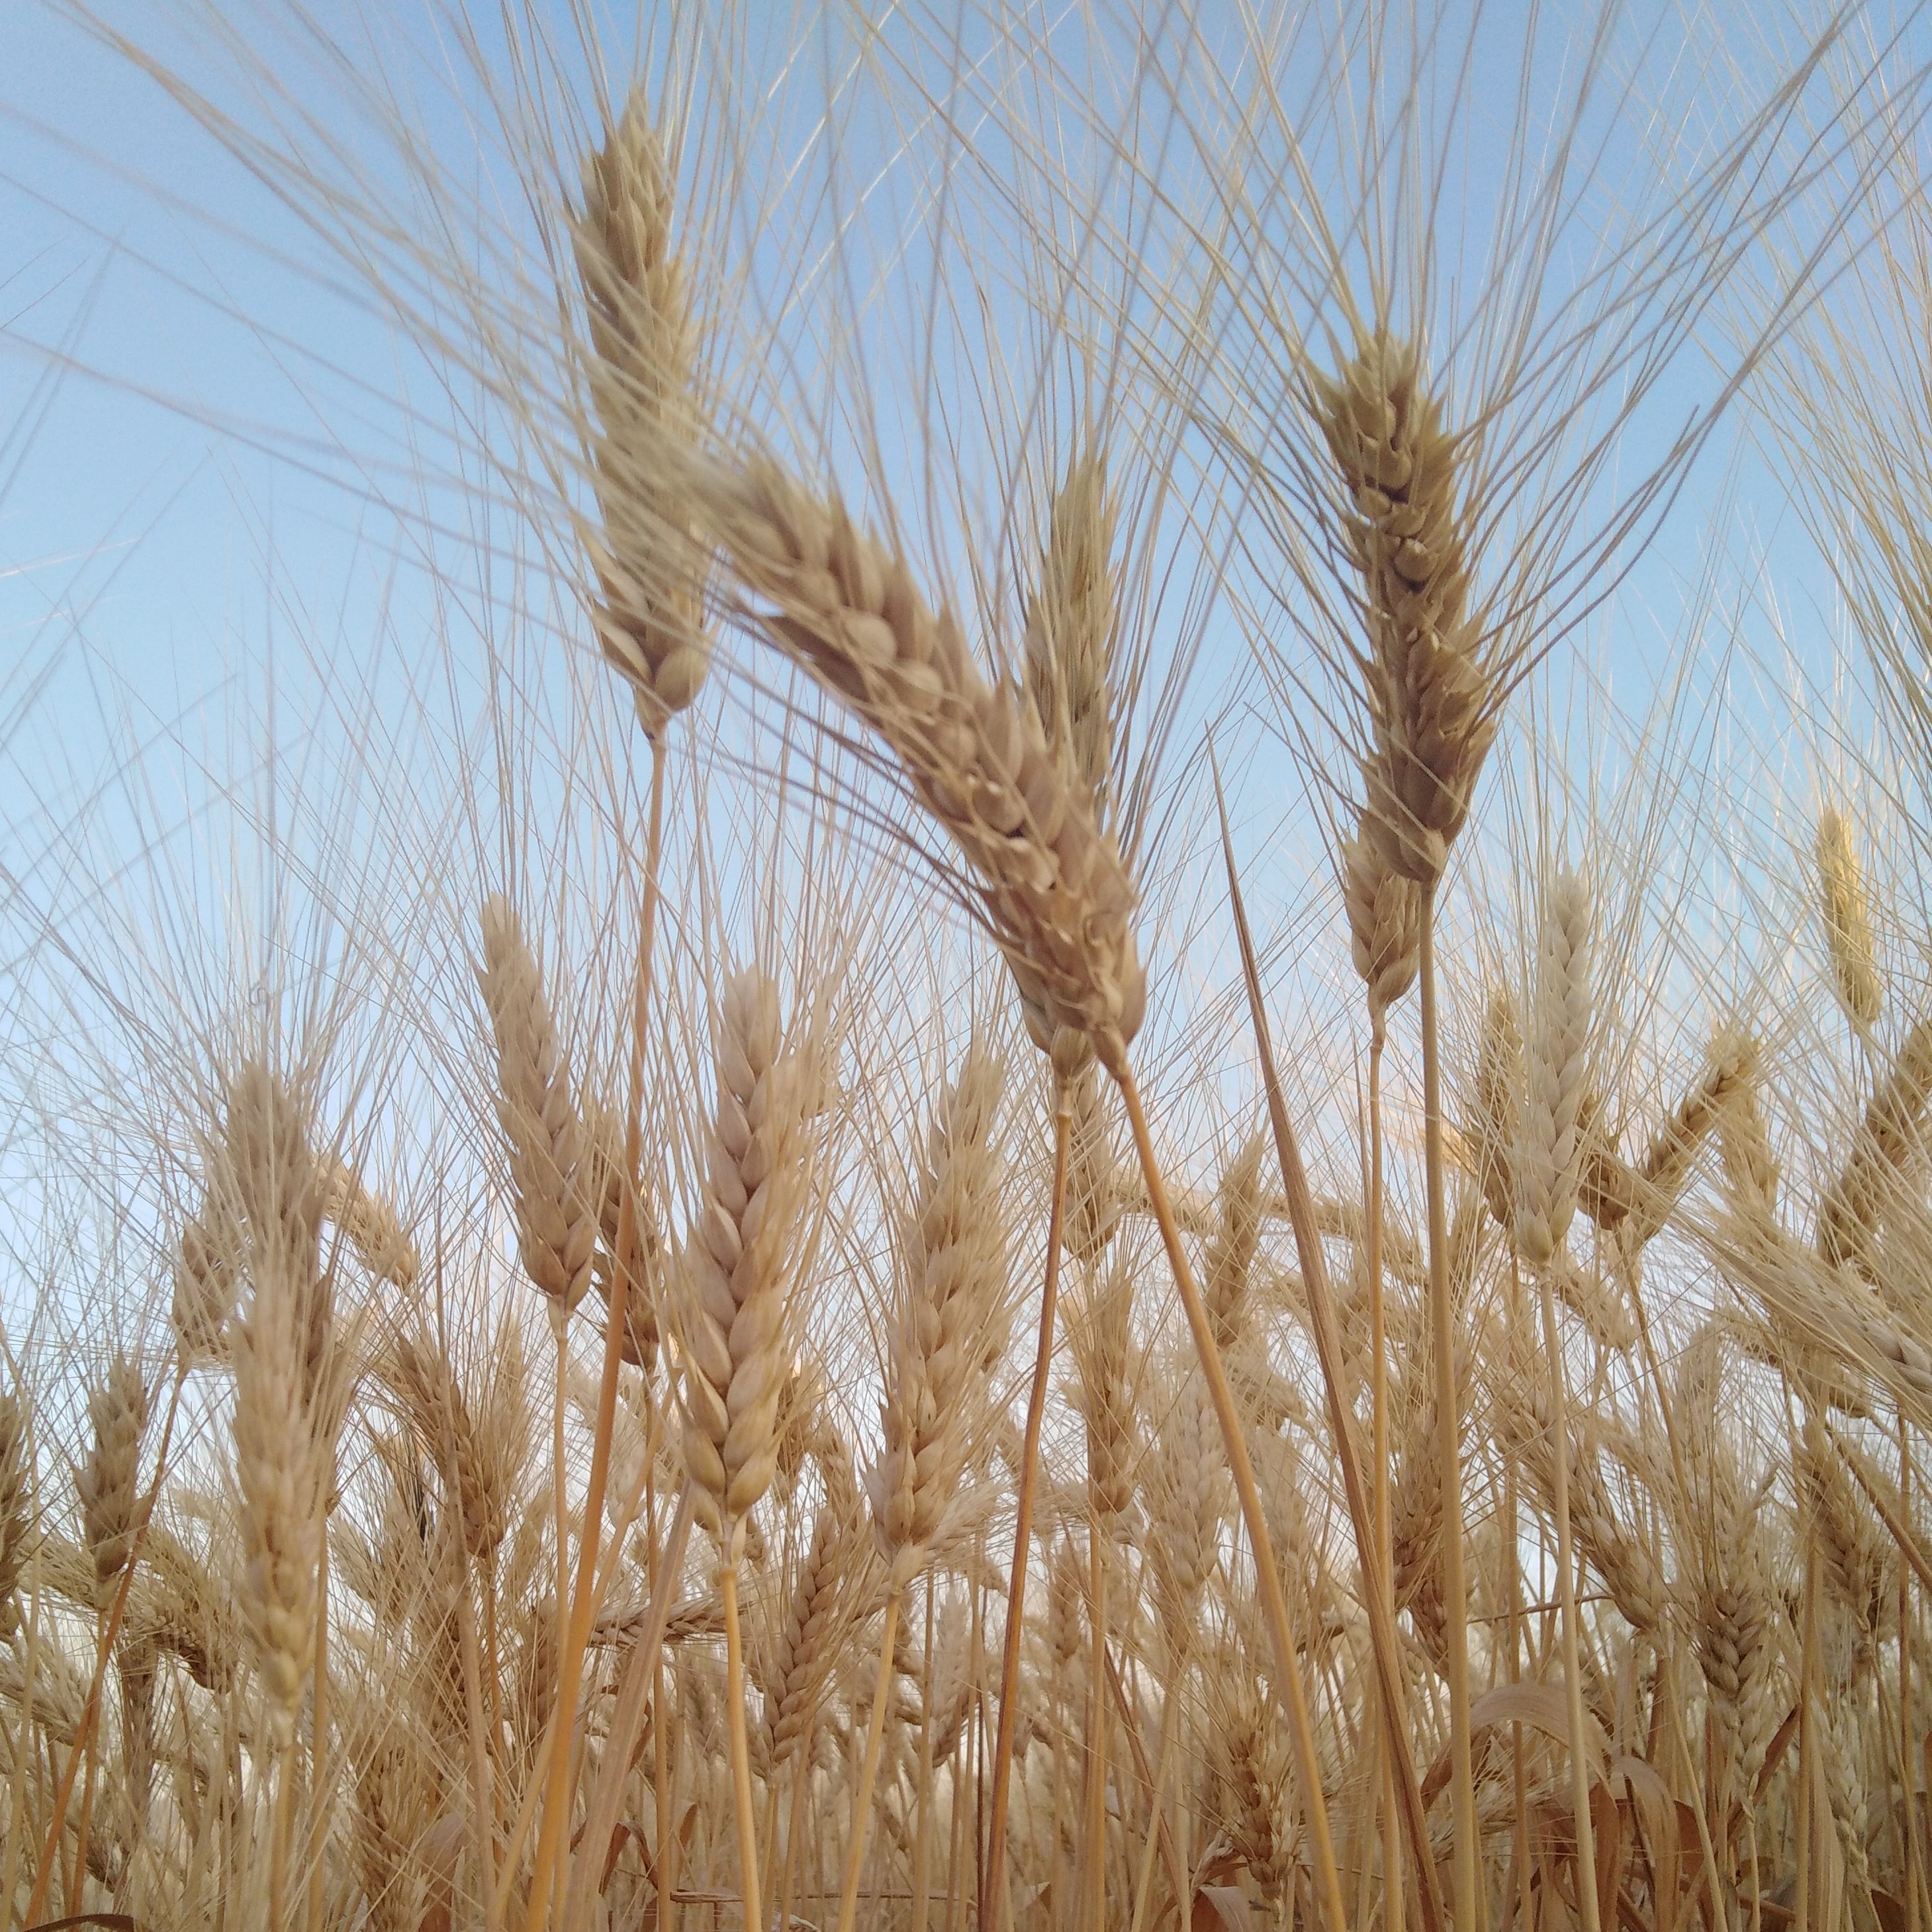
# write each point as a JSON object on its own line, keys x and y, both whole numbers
{"x": 1384, "y": 926}
{"x": 556, "y": 1230}
{"x": 371, "y": 1225}
{"x": 1094, "y": 1195}
{"x": 1428, "y": 694}
{"x": 282, "y": 1376}
{"x": 1102, "y": 1336}
{"x": 1848, "y": 933}
{"x": 16, "y": 1506}
{"x": 204, "y": 1287}
{"x": 106, "y": 1485}
{"x": 948, "y": 1330}
{"x": 1236, "y": 1240}
{"x": 1548, "y": 1141}
{"x": 1051, "y": 882}
{"x": 1499, "y": 1095}
{"x": 1887, "y": 1141}
{"x": 640, "y": 374}
{"x": 732, "y": 1281}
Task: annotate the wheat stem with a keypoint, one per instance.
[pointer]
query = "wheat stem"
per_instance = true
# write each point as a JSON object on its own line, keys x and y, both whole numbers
{"x": 1905, "y": 1700}
{"x": 1566, "y": 1594}
{"x": 1378, "y": 1592}
{"x": 1442, "y": 1343}
{"x": 868, "y": 1770}
{"x": 44, "y": 1875}
{"x": 1293, "y": 1688}
{"x": 992, "y": 1895}
{"x": 482, "y": 1806}
{"x": 1393, "y": 1913}
{"x": 1093, "y": 1830}
{"x": 642, "y": 1672}
{"x": 281, "y": 1830}
{"x": 741, "y": 1756}
{"x": 575, "y": 1634}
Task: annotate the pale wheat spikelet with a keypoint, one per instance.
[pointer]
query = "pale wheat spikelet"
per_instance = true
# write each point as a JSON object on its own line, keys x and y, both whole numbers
{"x": 1549, "y": 1138}
{"x": 1429, "y": 695}
{"x": 1888, "y": 1140}
{"x": 1255, "y": 1778}
{"x": 1726, "y": 1603}
{"x": 1848, "y": 933}
{"x": 732, "y": 1281}
{"x": 1102, "y": 1336}
{"x": 1744, "y": 1140}
{"x": 1845, "y": 1790}
{"x": 556, "y": 1229}
{"x": 277, "y": 1189}
{"x": 828, "y": 1596}
{"x": 1416, "y": 1513}
{"x": 1069, "y": 626}
{"x": 471, "y": 1464}
{"x": 279, "y": 1465}
{"x": 1619, "y": 1553}
{"x": 604, "y": 1133}
{"x": 1092, "y": 1214}
{"x": 16, "y": 1504}
{"x": 948, "y": 1331}
{"x": 371, "y": 1226}
{"x": 1050, "y": 881}
{"x": 204, "y": 1287}
{"x": 1384, "y": 926}
{"x": 1236, "y": 1240}
{"x": 1499, "y": 1105}
{"x": 286, "y": 1380}
{"x": 1674, "y": 1148}
{"x": 640, "y": 374}
{"x": 107, "y": 1483}
{"x": 1859, "y": 1568}
{"x": 1189, "y": 1493}
{"x": 1068, "y": 638}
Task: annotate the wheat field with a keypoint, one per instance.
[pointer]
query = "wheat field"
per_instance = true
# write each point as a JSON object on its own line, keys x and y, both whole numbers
{"x": 1108, "y": 1103}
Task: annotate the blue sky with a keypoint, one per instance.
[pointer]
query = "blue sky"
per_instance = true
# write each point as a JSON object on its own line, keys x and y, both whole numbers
{"x": 198, "y": 541}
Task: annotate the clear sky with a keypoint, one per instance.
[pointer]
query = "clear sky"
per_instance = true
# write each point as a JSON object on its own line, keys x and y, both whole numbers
{"x": 210, "y": 423}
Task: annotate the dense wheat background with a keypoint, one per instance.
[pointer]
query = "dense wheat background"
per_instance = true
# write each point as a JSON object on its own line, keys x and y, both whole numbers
{"x": 980, "y": 977}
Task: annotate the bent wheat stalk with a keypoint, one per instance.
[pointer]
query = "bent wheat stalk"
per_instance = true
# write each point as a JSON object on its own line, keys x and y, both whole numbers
{"x": 1377, "y": 1589}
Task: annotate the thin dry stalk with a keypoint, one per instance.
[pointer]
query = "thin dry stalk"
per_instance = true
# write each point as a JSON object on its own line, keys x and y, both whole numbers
{"x": 1274, "y": 1603}
{"x": 1378, "y": 1589}
{"x": 992, "y": 1897}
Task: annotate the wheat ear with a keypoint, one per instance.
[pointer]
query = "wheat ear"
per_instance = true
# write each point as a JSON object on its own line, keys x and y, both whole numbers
{"x": 1548, "y": 1161}
{"x": 1429, "y": 696}
{"x": 732, "y": 1303}
{"x": 640, "y": 374}
{"x": 1050, "y": 881}
{"x": 947, "y": 1334}
{"x": 1431, "y": 713}
{"x": 1068, "y": 634}
{"x": 1887, "y": 1139}
{"x": 556, "y": 1230}
{"x": 1847, "y": 916}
